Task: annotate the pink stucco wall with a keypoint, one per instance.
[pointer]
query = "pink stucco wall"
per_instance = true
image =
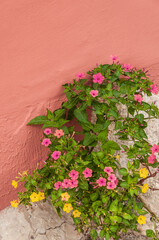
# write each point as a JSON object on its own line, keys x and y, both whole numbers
{"x": 43, "y": 44}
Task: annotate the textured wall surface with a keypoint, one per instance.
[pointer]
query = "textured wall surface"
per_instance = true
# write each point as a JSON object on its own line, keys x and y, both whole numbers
{"x": 43, "y": 45}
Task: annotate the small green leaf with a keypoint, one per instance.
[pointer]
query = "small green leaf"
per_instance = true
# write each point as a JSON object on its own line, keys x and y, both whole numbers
{"x": 83, "y": 185}
{"x": 124, "y": 184}
{"x": 88, "y": 139}
{"x": 81, "y": 115}
{"x": 127, "y": 216}
{"x": 110, "y": 145}
{"x": 114, "y": 206}
{"x": 107, "y": 236}
{"x": 123, "y": 171}
{"x": 38, "y": 120}
{"x": 140, "y": 117}
{"x": 94, "y": 196}
{"x": 93, "y": 234}
{"x": 113, "y": 228}
{"x": 150, "y": 233}
{"x": 102, "y": 136}
{"x": 118, "y": 125}
{"x": 116, "y": 219}
{"x": 102, "y": 233}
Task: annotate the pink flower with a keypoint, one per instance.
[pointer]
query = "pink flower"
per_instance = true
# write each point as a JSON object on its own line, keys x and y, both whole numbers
{"x": 73, "y": 174}
{"x": 66, "y": 183}
{"x": 46, "y": 142}
{"x": 47, "y": 131}
{"x": 57, "y": 185}
{"x": 58, "y": 133}
{"x": 73, "y": 183}
{"x": 113, "y": 57}
{"x": 112, "y": 177}
{"x": 98, "y": 78}
{"x": 80, "y": 75}
{"x": 138, "y": 98}
{"x": 111, "y": 185}
{"x": 101, "y": 181}
{"x": 155, "y": 148}
{"x": 94, "y": 93}
{"x": 127, "y": 67}
{"x": 154, "y": 89}
{"x": 151, "y": 158}
{"x": 87, "y": 172}
{"x": 55, "y": 155}
{"x": 116, "y": 182}
{"x": 108, "y": 170}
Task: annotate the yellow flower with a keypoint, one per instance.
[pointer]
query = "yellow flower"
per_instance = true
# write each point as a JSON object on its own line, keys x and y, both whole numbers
{"x": 34, "y": 197}
{"x": 141, "y": 219}
{"x": 25, "y": 173}
{"x": 14, "y": 203}
{"x": 143, "y": 172}
{"x": 117, "y": 157}
{"x": 14, "y": 184}
{"x": 144, "y": 188}
{"x": 76, "y": 213}
{"x": 41, "y": 195}
{"x": 65, "y": 196}
{"x": 67, "y": 207}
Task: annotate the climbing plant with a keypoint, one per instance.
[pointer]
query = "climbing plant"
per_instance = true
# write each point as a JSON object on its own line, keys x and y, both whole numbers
{"x": 83, "y": 174}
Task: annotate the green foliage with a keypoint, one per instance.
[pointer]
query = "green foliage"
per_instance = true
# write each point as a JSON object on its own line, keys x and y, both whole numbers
{"x": 104, "y": 209}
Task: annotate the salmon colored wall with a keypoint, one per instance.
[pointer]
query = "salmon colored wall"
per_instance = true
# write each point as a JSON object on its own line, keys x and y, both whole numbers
{"x": 43, "y": 44}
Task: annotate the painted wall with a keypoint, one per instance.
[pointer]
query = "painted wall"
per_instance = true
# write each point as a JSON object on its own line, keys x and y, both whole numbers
{"x": 43, "y": 44}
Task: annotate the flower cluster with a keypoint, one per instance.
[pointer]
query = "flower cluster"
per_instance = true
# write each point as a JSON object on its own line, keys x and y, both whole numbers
{"x": 152, "y": 157}
{"x": 80, "y": 173}
{"x": 35, "y": 197}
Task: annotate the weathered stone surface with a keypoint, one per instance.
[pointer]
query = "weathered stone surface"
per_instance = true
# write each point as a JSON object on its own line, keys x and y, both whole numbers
{"x": 37, "y": 223}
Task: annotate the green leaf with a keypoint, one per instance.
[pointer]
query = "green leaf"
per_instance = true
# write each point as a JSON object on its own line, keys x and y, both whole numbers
{"x": 142, "y": 133}
{"x": 94, "y": 196}
{"x": 124, "y": 184}
{"x": 50, "y": 115}
{"x": 56, "y": 124}
{"x": 123, "y": 171}
{"x": 107, "y": 236}
{"x": 110, "y": 145}
{"x": 65, "y": 130}
{"x": 53, "y": 196}
{"x": 114, "y": 206}
{"x": 150, "y": 233}
{"x": 105, "y": 199}
{"x": 113, "y": 113}
{"x": 127, "y": 216}
{"x": 81, "y": 116}
{"x": 85, "y": 201}
{"x": 116, "y": 219}
{"x": 118, "y": 125}
{"x": 59, "y": 113}
{"x": 38, "y": 120}
{"x": 140, "y": 117}
{"x": 131, "y": 110}
{"x": 109, "y": 86}
{"x": 88, "y": 139}
{"x": 102, "y": 136}
{"x": 83, "y": 185}
{"x": 71, "y": 103}
{"x": 141, "y": 211}
{"x": 113, "y": 228}
{"x": 93, "y": 234}
{"x": 96, "y": 204}
{"x": 102, "y": 233}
